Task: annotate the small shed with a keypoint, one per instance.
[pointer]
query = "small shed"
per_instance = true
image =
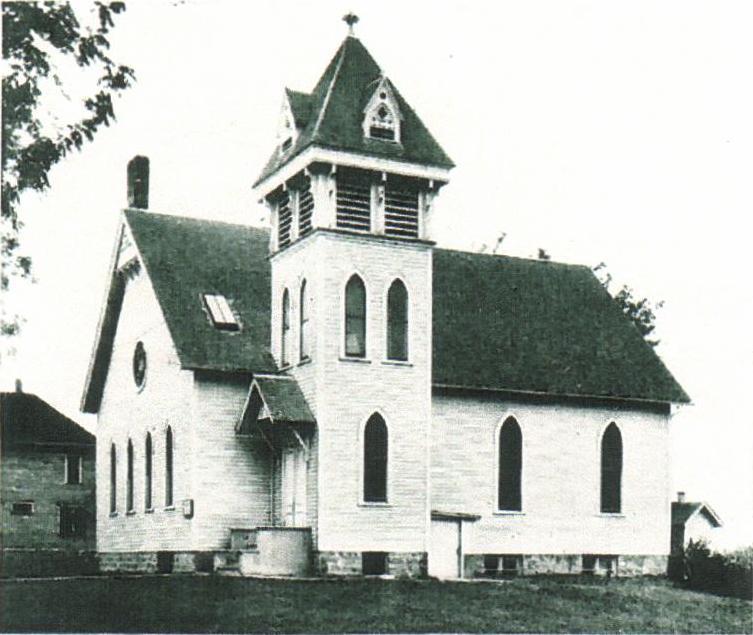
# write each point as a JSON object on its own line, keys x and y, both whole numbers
{"x": 691, "y": 521}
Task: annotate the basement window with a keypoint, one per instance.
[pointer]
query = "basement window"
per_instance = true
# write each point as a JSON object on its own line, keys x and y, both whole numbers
{"x": 588, "y": 564}
{"x": 23, "y": 508}
{"x": 220, "y": 312}
{"x": 510, "y": 565}
{"x": 374, "y": 562}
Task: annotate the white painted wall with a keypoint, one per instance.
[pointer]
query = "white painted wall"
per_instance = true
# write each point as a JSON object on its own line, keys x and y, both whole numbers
{"x": 560, "y": 477}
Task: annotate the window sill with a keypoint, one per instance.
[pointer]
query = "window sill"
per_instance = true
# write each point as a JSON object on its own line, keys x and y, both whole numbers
{"x": 284, "y": 367}
{"x": 305, "y": 361}
{"x": 503, "y": 512}
{"x": 149, "y": 510}
{"x": 397, "y": 362}
{"x": 610, "y": 515}
{"x": 169, "y": 508}
{"x": 113, "y": 514}
{"x": 131, "y": 512}
{"x": 374, "y": 504}
{"x": 355, "y": 360}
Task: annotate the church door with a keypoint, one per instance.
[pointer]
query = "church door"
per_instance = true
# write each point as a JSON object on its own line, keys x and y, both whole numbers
{"x": 293, "y": 487}
{"x": 445, "y": 549}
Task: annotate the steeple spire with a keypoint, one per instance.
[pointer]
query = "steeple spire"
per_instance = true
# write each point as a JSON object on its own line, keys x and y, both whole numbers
{"x": 351, "y": 19}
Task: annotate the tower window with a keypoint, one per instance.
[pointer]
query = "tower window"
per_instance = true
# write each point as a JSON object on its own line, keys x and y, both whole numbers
{"x": 401, "y": 212}
{"x": 285, "y": 342}
{"x": 284, "y": 220}
{"x": 305, "y": 210}
{"x": 355, "y": 317}
{"x": 353, "y": 203}
{"x": 611, "y": 470}
{"x": 397, "y": 322}
{"x": 305, "y": 343}
{"x": 375, "y": 450}
{"x": 382, "y": 114}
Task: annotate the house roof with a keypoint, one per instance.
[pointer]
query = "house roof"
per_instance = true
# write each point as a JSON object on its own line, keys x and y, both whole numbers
{"x": 683, "y": 512}
{"x": 331, "y": 116}
{"x": 499, "y": 322}
{"x": 28, "y": 420}
{"x": 538, "y": 326}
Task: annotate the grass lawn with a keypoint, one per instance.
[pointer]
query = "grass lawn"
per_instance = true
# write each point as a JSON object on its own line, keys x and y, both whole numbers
{"x": 220, "y": 604}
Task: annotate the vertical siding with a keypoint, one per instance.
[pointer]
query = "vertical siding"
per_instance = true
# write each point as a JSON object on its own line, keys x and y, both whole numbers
{"x": 560, "y": 477}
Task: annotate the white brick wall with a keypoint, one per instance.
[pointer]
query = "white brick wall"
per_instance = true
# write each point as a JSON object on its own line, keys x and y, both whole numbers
{"x": 127, "y": 412}
{"x": 344, "y": 393}
{"x": 560, "y": 477}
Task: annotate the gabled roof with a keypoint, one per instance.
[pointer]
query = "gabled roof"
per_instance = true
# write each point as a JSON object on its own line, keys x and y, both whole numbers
{"x": 333, "y": 115}
{"x": 538, "y": 326}
{"x": 276, "y": 398}
{"x": 27, "y": 420}
{"x": 499, "y": 322}
{"x": 683, "y": 512}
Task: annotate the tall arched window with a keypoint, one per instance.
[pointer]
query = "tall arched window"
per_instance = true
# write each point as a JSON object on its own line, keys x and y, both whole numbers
{"x": 611, "y": 470}
{"x": 285, "y": 350}
{"x": 375, "y": 443}
{"x": 129, "y": 477}
{"x": 148, "y": 472}
{"x": 397, "y": 321}
{"x": 305, "y": 343}
{"x": 113, "y": 479}
{"x": 510, "y": 465}
{"x": 355, "y": 317}
{"x": 169, "y": 467}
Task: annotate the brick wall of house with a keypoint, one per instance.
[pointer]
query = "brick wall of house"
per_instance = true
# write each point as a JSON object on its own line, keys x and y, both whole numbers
{"x": 129, "y": 412}
{"x": 346, "y": 392}
{"x": 560, "y": 478}
{"x": 38, "y": 475}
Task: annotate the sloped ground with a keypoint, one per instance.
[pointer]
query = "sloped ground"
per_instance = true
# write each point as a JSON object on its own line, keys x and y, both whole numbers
{"x": 221, "y": 604}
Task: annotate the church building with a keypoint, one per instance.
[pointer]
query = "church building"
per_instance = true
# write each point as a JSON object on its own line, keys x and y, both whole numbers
{"x": 338, "y": 395}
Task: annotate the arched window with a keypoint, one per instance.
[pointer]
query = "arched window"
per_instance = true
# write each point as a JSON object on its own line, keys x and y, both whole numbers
{"x": 129, "y": 477}
{"x": 355, "y": 317}
{"x": 285, "y": 349}
{"x": 397, "y": 321}
{"x": 510, "y": 465}
{"x": 611, "y": 470}
{"x": 375, "y": 460}
{"x": 113, "y": 479}
{"x": 305, "y": 343}
{"x": 169, "y": 467}
{"x": 148, "y": 472}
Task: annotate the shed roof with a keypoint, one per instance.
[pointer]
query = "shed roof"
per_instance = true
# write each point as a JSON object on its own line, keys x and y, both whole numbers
{"x": 499, "y": 322}
{"x": 28, "y": 420}
{"x": 683, "y": 512}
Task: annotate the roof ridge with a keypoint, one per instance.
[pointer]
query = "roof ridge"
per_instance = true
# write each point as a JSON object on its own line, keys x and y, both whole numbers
{"x": 510, "y": 257}
{"x": 328, "y": 94}
{"x": 208, "y": 221}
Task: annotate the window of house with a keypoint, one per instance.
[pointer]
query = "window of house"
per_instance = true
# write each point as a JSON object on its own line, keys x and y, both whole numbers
{"x": 73, "y": 469}
{"x": 169, "y": 467}
{"x": 72, "y": 521}
{"x": 397, "y": 322}
{"x": 22, "y": 508}
{"x": 510, "y": 464}
{"x": 305, "y": 343}
{"x": 285, "y": 344}
{"x": 129, "y": 477}
{"x": 611, "y": 470}
{"x": 355, "y": 317}
{"x": 113, "y": 480}
{"x": 148, "y": 472}
{"x": 220, "y": 313}
{"x": 375, "y": 449}
{"x": 374, "y": 562}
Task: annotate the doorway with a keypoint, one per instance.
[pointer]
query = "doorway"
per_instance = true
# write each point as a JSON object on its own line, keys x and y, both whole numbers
{"x": 293, "y": 485}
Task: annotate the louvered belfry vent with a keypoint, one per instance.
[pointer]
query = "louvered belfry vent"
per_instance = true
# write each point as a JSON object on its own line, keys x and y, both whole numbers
{"x": 401, "y": 212}
{"x": 285, "y": 220}
{"x": 353, "y": 203}
{"x": 305, "y": 209}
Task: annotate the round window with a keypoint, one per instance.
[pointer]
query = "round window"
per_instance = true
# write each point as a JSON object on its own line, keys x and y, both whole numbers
{"x": 139, "y": 365}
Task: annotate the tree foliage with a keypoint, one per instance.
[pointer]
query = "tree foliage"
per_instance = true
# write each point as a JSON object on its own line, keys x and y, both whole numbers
{"x": 642, "y": 312}
{"x": 39, "y": 38}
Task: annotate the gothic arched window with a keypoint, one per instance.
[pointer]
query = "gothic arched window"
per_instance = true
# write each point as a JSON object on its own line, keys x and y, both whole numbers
{"x": 129, "y": 477}
{"x": 375, "y": 442}
{"x": 113, "y": 479}
{"x": 285, "y": 344}
{"x": 305, "y": 343}
{"x": 355, "y": 317}
{"x": 169, "y": 467}
{"x": 611, "y": 470}
{"x": 510, "y": 466}
{"x": 148, "y": 472}
{"x": 397, "y": 321}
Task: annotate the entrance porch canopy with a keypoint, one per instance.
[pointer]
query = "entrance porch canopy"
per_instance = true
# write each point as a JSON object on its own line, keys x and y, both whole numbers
{"x": 274, "y": 399}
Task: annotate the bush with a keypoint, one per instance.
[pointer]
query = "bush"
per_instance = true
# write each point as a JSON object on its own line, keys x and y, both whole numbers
{"x": 728, "y": 573}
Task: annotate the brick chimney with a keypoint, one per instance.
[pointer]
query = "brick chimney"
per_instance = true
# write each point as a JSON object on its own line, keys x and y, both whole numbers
{"x": 138, "y": 183}
{"x": 680, "y": 497}
{"x": 19, "y": 386}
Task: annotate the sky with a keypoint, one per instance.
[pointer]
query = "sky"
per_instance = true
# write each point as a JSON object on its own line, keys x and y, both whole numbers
{"x": 615, "y": 132}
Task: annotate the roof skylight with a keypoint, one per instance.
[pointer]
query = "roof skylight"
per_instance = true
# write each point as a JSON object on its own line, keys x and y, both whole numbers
{"x": 220, "y": 312}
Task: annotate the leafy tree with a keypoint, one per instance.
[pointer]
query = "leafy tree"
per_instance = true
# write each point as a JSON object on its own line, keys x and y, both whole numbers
{"x": 642, "y": 312}
{"x": 39, "y": 40}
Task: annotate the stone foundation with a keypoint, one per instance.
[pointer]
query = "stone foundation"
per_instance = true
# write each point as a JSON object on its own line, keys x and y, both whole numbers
{"x": 541, "y": 564}
{"x": 35, "y": 563}
{"x": 156, "y": 562}
{"x": 399, "y": 564}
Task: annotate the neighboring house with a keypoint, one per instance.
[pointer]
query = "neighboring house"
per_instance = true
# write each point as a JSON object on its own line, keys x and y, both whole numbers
{"x": 48, "y": 477}
{"x": 339, "y": 390}
{"x": 692, "y": 521}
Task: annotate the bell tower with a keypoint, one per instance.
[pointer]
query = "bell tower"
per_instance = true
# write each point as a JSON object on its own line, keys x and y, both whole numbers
{"x": 350, "y": 187}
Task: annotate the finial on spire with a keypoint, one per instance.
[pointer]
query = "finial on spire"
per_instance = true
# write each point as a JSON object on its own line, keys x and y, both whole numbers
{"x": 350, "y": 19}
